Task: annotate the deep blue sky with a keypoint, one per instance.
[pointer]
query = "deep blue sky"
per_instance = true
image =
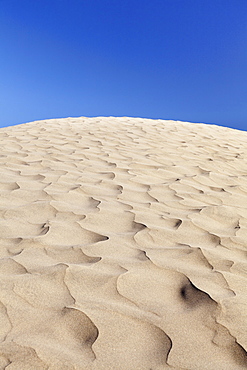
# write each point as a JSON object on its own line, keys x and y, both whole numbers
{"x": 170, "y": 59}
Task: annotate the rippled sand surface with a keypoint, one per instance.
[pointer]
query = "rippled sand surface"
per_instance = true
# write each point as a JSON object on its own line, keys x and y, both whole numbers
{"x": 123, "y": 245}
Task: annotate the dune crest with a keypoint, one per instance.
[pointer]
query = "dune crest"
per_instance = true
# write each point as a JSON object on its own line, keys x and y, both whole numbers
{"x": 123, "y": 245}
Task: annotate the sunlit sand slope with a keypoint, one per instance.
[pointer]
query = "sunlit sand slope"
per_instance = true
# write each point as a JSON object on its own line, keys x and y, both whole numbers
{"x": 123, "y": 245}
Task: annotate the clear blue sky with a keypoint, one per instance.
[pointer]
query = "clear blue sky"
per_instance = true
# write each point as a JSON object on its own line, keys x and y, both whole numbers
{"x": 170, "y": 59}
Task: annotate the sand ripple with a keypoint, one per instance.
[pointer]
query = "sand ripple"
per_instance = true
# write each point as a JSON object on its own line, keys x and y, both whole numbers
{"x": 123, "y": 245}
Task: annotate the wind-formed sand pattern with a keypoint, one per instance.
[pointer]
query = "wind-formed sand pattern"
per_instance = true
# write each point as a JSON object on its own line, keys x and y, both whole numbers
{"x": 123, "y": 245}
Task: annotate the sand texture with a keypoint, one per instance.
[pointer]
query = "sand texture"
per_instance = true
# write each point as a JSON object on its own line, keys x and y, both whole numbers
{"x": 123, "y": 245}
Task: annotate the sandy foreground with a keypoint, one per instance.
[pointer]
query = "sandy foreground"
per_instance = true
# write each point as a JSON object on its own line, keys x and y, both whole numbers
{"x": 123, "y": 245}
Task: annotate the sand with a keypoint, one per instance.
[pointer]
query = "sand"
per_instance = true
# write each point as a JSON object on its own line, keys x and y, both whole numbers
{"x": 123, "y": 245}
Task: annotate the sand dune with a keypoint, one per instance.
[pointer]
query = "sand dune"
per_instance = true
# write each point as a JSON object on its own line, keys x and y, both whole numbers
{"x": 123, "y": 245}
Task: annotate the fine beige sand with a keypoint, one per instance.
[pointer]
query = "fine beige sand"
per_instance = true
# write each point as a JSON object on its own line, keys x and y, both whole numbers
{"x": 123, "y": 245}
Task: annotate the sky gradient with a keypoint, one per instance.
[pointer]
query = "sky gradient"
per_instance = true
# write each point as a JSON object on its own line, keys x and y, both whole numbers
{"x": 169, "y": 59}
